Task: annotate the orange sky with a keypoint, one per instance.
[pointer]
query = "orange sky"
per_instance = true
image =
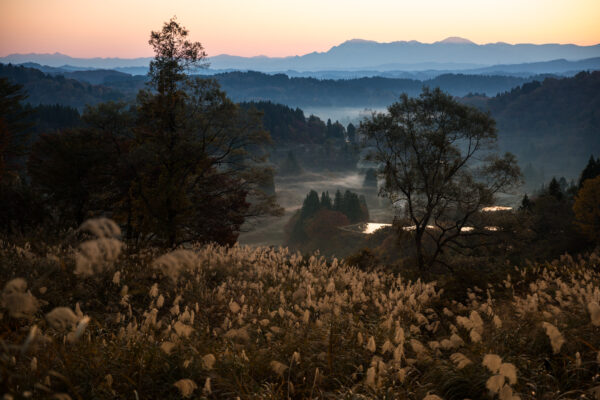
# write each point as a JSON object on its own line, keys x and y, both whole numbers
{"x": 111, "y": 28}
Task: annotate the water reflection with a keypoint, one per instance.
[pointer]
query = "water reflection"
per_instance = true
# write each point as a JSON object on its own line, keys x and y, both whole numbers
{"x": 496, "y": 208}
{"x": 371, "y": 227}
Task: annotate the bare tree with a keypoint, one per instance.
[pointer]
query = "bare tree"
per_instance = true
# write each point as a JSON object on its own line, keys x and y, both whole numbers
{"x": 436, "y": 156}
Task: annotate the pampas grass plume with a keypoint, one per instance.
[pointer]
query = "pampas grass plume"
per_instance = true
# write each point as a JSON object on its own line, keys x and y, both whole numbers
{"x": 460, "y": 360}
{"x": 160, "y": 301}
{"x": 61, "y": 318}
{"x": 18, "y": 302}
{"x": 175, "y": 262}
{"x": 83, "y": 323}
{"x": 495, "y": 383}
{"x": 208, "y": 361}
{"x": 370, "y": 379}
{"x": 509, "y": 371}
{"x": 234, "y": 307}
{"x": 371, "y": 346}
{"x": 207, "y": 389}
{"x": 492, "y": 362}
{"x": 101, "y": 228}
{"x": 153, "y": 290}
{"x": 432, "y": 397}
{"x": 594, "y": 310}
{"x": 186, "y": 387}
{"x": 96, "y": 255}
{"x": 278, "y": 368}
{"x": 556, "y": 338}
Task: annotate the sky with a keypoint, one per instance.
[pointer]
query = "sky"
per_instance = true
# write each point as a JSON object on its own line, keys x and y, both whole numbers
{"x": 121, "y": 28}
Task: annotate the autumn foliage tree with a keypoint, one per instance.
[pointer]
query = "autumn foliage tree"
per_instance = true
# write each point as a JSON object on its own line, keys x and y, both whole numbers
{"x": 587, "y": 209}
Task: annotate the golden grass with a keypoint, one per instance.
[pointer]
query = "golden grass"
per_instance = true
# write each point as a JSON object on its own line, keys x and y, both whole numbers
{"x": 220, "y": 322}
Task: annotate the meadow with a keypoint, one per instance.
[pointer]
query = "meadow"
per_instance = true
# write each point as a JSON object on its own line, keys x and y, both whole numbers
{"x": 87, "y": 317}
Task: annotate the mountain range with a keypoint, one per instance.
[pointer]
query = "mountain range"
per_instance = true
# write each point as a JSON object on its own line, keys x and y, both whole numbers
{"x": 451, "y": 54}
{"x": 78, "y": 88}
{"x": 550, "y": 121}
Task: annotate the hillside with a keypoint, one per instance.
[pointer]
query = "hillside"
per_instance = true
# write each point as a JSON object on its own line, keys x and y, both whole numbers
{"x": 75, "y": 89}
{"x": 553, "y": 123}
{"x": 541, "y": 120}
{"x": 217, "y": 322}
{"x": 47, "y": 89}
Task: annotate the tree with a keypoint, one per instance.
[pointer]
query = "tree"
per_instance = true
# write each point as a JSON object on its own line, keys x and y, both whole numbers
{"x": 370, "y": 178}
{"x": 338, "y": 201}
{"x": 526, "y": 204}
{"x": 434, "y": 155}
{"x": 198, "y": 157}
{"x": 88, "y": 170}
{"x": 324, "y": 226}
{"x": 351, "y": 132}
{"x": 353, "y": 208}
{"x": 310, "y": 206}
{"x": 290, "y": 165}
{"x": 183, "y": 164}
{"x": 555, "y": 190}
{"x": 20, "y": 207}
{"x": 587, "y": 209}
{"x": 326, "y": 201}
{"x": 591, "y": 170}
{"x": 68, "y": 168}
{"x": 13, "y": 128}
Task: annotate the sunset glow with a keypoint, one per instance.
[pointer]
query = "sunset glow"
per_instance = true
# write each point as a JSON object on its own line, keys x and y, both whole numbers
{"x": 110, "y": 28}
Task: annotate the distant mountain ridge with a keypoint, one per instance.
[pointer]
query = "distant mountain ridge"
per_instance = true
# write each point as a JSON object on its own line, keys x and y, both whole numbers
{"x": 78, "y": 88}
{"x": 357, "y": 54}
{"x": 556, "y": 67}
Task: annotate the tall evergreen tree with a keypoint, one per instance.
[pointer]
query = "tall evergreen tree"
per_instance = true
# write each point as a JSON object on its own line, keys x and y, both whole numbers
{"x": 591, "y": 170}
{"x": 526, "y": 204}
{"x": 326, "y": 200}
{"x": 338, "y": 201}
{"x": 310, "y": 206}
{"x": 555, "y": 190}
{"x": 199, "y": 157}
{"x": 351, "y": 133}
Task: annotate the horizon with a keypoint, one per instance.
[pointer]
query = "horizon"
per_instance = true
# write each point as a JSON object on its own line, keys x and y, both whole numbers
{"x": 58, "y": 53}
{"x": 87, "y": 29}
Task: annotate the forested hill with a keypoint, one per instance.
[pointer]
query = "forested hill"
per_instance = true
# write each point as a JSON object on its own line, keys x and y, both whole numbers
{"x": 552, "y": 106}
{"x": 362, "y": 92}
{"x": 46, "y": 89}
{"x": 290, "y": 126}
{"x": 76, "y": 90}
{"x": 553, "y": 123}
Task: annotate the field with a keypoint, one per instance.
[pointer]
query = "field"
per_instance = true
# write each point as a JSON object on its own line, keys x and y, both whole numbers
{"x": 89, "y": 318}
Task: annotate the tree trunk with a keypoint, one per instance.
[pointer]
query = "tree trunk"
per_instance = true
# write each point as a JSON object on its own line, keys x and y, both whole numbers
{"x": 419, "y": 248}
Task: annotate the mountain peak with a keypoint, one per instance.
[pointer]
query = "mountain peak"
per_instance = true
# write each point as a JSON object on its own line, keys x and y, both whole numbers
{"x": 455, "y": 40}
{"x": 355, "y": 41}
